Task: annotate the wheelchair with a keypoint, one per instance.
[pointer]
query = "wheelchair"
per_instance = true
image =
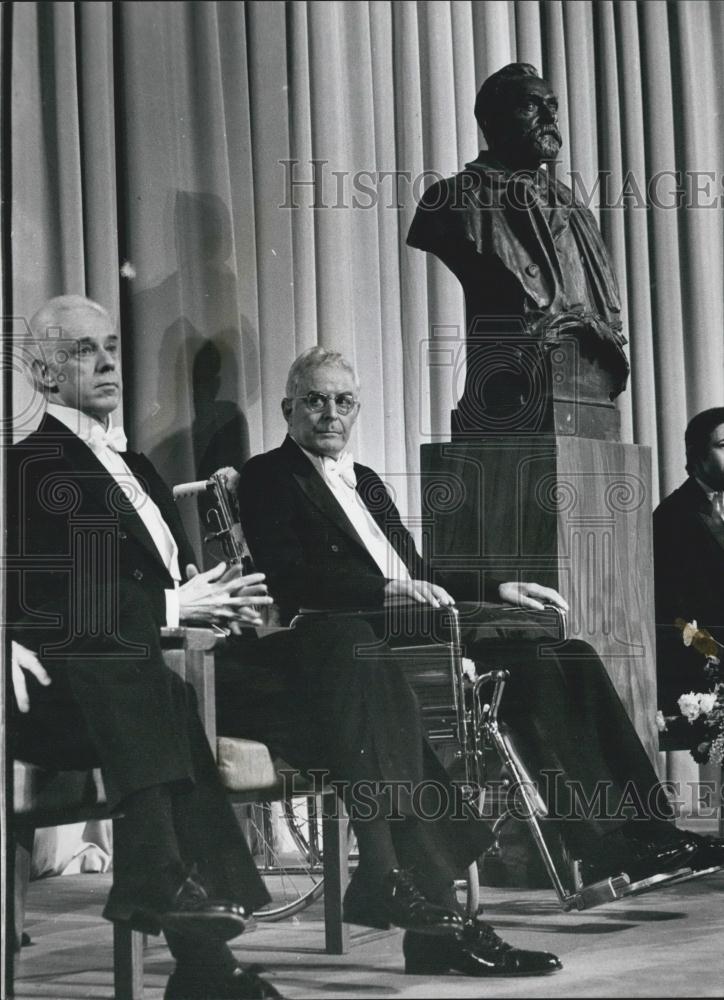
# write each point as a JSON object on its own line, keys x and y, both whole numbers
{"x": 461, "y": 715}
{"x": 461, "y": 712}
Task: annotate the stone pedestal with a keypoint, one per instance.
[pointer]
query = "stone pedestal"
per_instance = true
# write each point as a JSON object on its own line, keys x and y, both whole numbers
{"x": 568, "y": 512}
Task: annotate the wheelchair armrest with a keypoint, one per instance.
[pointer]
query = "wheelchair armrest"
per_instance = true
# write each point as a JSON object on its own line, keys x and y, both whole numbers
{"x": 341, "y": 612}
{"x": 391, "y": 622}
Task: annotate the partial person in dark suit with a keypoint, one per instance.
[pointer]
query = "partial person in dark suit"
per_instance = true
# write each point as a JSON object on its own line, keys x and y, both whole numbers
{"x": 689, "y": 560}
{"x": 97, "y": 563}
{"x": 326, "y": 532}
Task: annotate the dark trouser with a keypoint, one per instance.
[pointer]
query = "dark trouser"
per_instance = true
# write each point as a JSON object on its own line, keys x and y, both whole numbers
{"x": 137, "y": 720}
{"x": 356, "y": 717}
{"x": 576, "y": 740}
{"x": 326, "y": 697}
{"x": 565, "y": 720}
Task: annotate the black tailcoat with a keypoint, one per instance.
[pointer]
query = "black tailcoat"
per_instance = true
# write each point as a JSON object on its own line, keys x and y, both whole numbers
{"x": 565, "y": 712}
{"x": 86, "y": 592}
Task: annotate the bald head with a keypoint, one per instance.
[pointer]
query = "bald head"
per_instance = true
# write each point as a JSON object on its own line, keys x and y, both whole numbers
{"x": 61, "y": 314}
{"x": 77, "y": 353}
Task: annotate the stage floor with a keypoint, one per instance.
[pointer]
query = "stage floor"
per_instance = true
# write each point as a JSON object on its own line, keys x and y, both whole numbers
{"x": 662, "y": 944}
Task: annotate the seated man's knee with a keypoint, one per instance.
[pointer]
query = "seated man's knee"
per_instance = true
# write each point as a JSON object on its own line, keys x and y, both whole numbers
{"x": 345, "y": 636}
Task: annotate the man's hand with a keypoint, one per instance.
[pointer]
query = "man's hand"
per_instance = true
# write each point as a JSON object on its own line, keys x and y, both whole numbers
{"x": 420, "y": 591}
{"x": 222, "y": 596}
{"x": 530, "y": 595}
{"x": 25, "y": 659}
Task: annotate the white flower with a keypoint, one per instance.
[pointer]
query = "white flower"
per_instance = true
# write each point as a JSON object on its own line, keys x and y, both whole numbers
{"x": 661, "y": 722}
{"x": 707, "y": 702}
{"x": 716, "y": 751}
{"x": 688, "y": 632}
{"x": 689, "y": 706}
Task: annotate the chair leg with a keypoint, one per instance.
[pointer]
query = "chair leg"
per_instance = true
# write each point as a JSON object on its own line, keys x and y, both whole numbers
{"x": 23, "y": 838}
{"x": 127, "y": 963}
{"x": 336, "y": 877}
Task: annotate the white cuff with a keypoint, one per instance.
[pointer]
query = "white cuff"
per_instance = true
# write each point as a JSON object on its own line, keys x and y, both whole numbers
{"x": 173, "y": 608}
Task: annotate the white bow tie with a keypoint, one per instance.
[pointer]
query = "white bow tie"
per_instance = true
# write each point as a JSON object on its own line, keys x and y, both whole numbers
{"x": 342, "y": 468}
{"x": 99, "y": 439}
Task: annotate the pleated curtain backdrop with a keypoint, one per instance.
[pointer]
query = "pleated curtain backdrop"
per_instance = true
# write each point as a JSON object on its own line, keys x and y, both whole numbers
{"x": 158, "y": 164}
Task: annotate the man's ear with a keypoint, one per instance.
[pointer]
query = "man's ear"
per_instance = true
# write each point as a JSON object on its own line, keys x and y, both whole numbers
{"x": 287, "y": 405}
{"x": 43, "y": 375}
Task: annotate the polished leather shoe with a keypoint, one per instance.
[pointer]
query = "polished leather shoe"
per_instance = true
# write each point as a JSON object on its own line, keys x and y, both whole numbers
{"x": 241, "y": 984}
{"x": 193, "y": 912}
{"x": 706, "y": 852}
{"x": 398, "y": 903}
{"x": 638, "y": 857}
{"x": 478, "y": 952}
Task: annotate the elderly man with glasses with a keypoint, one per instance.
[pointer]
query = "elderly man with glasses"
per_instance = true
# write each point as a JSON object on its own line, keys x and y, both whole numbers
{"x": 327, "y": 535}
{"x": 328, "y": 696}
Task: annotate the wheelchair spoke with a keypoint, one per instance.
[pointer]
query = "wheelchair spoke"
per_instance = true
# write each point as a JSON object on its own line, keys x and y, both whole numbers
{"x": 292, "y": 871}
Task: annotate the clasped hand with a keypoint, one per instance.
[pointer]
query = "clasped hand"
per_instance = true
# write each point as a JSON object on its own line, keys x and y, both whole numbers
{"x": 222, "y": 596}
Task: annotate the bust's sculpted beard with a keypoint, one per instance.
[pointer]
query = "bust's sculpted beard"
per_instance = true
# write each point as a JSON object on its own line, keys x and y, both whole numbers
{"x": 546, "y": 142}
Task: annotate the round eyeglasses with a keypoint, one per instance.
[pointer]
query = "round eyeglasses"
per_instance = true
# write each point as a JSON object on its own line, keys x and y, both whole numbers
{"x": 344, "y": 402}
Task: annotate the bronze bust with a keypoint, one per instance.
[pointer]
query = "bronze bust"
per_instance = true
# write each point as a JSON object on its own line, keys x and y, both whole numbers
{"x": 533, "y": 266}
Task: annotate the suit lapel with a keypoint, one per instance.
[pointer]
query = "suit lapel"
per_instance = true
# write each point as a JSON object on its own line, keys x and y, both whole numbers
{"x": 99, "y": 483}
{"x": 373, "y": 493}
{"x": 131, "y": 459}
{"x": 692, "y": 498}
{"x": 379, "y": 512}
{"x": 316, "y": 490}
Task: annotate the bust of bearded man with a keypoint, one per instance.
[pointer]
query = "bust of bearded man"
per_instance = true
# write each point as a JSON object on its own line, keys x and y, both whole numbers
{"x": 531, "y": 260}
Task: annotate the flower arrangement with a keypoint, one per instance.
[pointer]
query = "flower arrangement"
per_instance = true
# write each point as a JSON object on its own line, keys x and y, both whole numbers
{"x": 706, "y": 708}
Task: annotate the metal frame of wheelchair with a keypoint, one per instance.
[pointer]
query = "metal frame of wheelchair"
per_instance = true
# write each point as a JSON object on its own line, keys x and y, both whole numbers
{"x": 472, "y": 722}
{"x": 463, "y": 714}
{"x": 473, "y": 729}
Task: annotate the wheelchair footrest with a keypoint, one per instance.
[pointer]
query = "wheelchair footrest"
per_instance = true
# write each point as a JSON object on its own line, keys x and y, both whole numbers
{"x": 621, "y": 887}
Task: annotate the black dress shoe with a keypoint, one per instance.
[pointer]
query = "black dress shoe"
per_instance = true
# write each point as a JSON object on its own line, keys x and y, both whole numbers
{"x": 479, "y": 952}
{"x": 193, "y": 912}
{"x": 241, "y": 984}
{"x": 398, "y": 903}
{"x": 638, "y": 857}
{"x": 706, "y": 852}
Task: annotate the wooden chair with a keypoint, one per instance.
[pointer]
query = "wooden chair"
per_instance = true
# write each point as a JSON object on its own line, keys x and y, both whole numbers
{"x": 41, "y": 798}
{"x": 251, "y": 775}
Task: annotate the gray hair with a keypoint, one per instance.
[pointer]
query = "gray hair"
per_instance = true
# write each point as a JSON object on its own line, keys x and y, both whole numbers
{"x": 53, "y": 315}
{"x": 312, "y": 358}
{"x": 53, "y": 320}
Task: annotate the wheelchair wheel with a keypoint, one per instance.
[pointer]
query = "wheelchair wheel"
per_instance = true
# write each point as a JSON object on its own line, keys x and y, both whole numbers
{"x": 286, "y": 840}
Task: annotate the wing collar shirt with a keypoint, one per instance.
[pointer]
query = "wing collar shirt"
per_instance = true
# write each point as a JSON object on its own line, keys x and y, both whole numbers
{"x": 107, "y": 446}
{"x": 715, "y": 498}
{"x": 339, "y": 475}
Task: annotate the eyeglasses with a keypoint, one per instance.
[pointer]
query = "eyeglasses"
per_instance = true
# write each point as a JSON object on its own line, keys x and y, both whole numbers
{"x": 344, "y": 402}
